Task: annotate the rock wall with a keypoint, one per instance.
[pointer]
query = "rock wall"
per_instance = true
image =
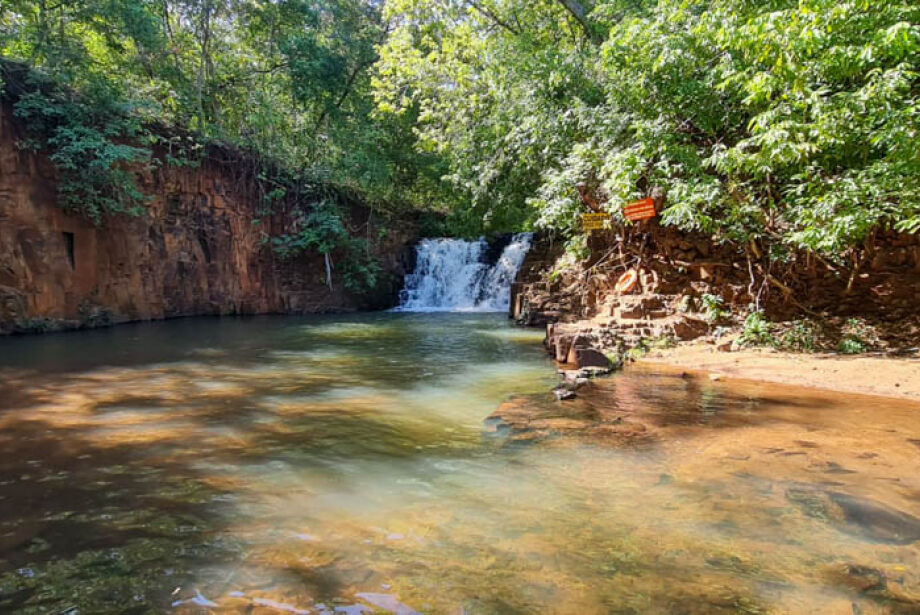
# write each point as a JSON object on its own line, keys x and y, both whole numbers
{"x": 540, "y": 259}
{"x": 195, "y": 251}
{"x": 678, "y": 274}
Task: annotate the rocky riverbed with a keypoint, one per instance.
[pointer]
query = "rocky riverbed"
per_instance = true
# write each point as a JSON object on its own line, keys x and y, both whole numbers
{"x": 846, "y": 465}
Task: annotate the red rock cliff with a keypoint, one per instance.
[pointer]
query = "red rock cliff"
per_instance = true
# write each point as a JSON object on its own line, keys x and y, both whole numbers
{"x": 195, "y": 251}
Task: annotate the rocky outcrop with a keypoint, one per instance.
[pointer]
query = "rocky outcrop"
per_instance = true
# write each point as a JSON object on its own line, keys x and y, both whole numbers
{"x": 536, "y": 418}
{"x": 539, "y": 261}
{"x": 691, "y": 288}
{"x": 197, "y": 249}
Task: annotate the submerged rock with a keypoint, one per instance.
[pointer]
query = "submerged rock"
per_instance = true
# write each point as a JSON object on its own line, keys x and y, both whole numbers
{"x": 875, "y": 584}
{"x": 857, "y": 577}
{"x": 536, "y": 418}
{"x": 856, "y": 515}
{"x": 584, "y": 373}
{"x": 563, "y": 394}
{"x": 388, "y": 603}
{"x": 876, "y": 520}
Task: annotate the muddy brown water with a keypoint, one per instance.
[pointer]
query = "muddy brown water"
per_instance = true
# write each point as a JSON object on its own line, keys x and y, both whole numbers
{"x": 343, "y": 465}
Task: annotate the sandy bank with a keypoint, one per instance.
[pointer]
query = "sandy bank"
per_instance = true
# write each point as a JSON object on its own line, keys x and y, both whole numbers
{"x": 870, "y": 375}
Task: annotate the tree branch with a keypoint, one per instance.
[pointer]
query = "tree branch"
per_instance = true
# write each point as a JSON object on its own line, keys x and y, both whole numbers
{"x": 578, "y": 11}
{"x": 353, "y": 77}
{"x": 494, "y": 18}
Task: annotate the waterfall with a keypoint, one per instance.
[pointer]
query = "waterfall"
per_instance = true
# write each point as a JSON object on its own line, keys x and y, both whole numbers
{"x": 455, "y": 275}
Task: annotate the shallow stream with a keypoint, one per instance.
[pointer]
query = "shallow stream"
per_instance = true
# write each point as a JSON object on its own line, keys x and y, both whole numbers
{"x": 341, "y": 464}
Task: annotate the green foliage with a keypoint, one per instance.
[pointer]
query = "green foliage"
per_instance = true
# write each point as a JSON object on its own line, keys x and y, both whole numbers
{"x": 496, "y": 91}
{"x": 648, "y": 344}
{"x": 851, "y": 345}
{"x": 95, "y": 168}
{"x": 800, "y": 337}
{"x": 714, "y": 308}
{"x": 359, "y": 269}
{"x": 321, "y": 229}
{"x": 789, "y": 121}
{"x": 289, "y": 80}
{"x": 662, "y": 342}
{"x": 639, "y": 350}
{"x": 855, "y": 337}
{"x": 757, "y": 330}
{"x": 793, "y": 121}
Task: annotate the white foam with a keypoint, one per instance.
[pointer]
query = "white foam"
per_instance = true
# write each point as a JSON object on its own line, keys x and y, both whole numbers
{"x": 450, "y": 276}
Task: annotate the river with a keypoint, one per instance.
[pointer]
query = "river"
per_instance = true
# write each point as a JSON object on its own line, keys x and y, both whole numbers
{"x": 342, "y": 464}
{"x": 352, "y": 464}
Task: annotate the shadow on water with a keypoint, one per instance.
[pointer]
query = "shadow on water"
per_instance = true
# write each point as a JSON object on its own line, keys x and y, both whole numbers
{"x": 284, "y": 461}
{"x": 122, "y": 482}
{"x": 101, "y": 523}
{"x": 99, "y": 526}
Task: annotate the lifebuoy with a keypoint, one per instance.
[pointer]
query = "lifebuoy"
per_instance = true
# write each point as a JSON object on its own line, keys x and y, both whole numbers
{"x": 627, "y": 281}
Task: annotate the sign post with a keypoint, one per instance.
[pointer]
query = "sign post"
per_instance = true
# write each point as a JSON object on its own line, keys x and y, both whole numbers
{"x": 640, "y": 210}
{"x": 594, "y": 222}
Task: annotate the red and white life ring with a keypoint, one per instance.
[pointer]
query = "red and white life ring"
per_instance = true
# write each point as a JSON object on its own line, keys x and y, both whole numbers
{"x": 627, "y": 282}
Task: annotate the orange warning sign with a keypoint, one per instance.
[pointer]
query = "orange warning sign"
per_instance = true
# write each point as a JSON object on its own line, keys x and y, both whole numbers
{"x": 640, "y": 210}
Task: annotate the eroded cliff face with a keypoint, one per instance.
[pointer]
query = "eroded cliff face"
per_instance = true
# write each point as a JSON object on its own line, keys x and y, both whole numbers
{"x": 195, "y": 251}
{"x": 691, "y": 288}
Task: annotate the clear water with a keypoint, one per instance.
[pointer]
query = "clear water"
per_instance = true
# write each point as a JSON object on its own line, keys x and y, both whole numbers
{"x": 274, "y": 465}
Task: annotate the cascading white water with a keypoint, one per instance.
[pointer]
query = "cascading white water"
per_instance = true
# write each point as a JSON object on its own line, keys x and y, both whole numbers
{"x": 452, "y": 275}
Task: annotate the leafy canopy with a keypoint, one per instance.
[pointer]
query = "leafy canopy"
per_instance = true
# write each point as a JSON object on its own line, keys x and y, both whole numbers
{"x": 789, "y": 121}
{"x": 289, "y": 80}
{"x": 795, "y": 121}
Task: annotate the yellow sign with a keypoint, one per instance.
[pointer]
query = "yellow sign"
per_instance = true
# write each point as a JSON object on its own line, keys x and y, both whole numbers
{"x": 593, "y": 222}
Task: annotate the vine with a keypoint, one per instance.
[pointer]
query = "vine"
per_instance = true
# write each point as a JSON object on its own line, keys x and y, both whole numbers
{"x": 320, "y": 227}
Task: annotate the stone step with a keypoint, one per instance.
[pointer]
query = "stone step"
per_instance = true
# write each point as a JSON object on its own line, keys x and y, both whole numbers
{"x": 637, "y": 306}
{"x": 623, "y": 315}
{"x": 646, "y": 301}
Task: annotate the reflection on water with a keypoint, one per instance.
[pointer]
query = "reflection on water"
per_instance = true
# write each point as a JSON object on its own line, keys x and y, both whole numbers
{"x": 340, "y": 465}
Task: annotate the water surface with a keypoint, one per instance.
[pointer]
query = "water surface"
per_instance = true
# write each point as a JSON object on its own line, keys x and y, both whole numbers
{"x": 341, "y": 464}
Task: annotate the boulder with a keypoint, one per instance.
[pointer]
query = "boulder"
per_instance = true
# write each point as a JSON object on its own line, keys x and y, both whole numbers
{"x": 574, "y": 379}
{"x": 562, "y": 347}
{"x": 590, "y": 357}
{"x": 572, "y": 375}
{"x": 690, "y": 328}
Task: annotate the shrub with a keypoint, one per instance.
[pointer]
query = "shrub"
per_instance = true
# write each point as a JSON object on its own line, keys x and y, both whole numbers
{"x": 88, "y": 143}
{"x": 321, "y": 228}
{"x": 856, "y": 337}
{"x": 851, "y": 345}
{"x": 757, "y": 331}
{"x": 714, "y": 308}
{"x": 801, "y": 337}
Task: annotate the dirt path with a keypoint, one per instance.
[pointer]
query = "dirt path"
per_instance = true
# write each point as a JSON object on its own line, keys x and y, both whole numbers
{"x": 885, "y": 376}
